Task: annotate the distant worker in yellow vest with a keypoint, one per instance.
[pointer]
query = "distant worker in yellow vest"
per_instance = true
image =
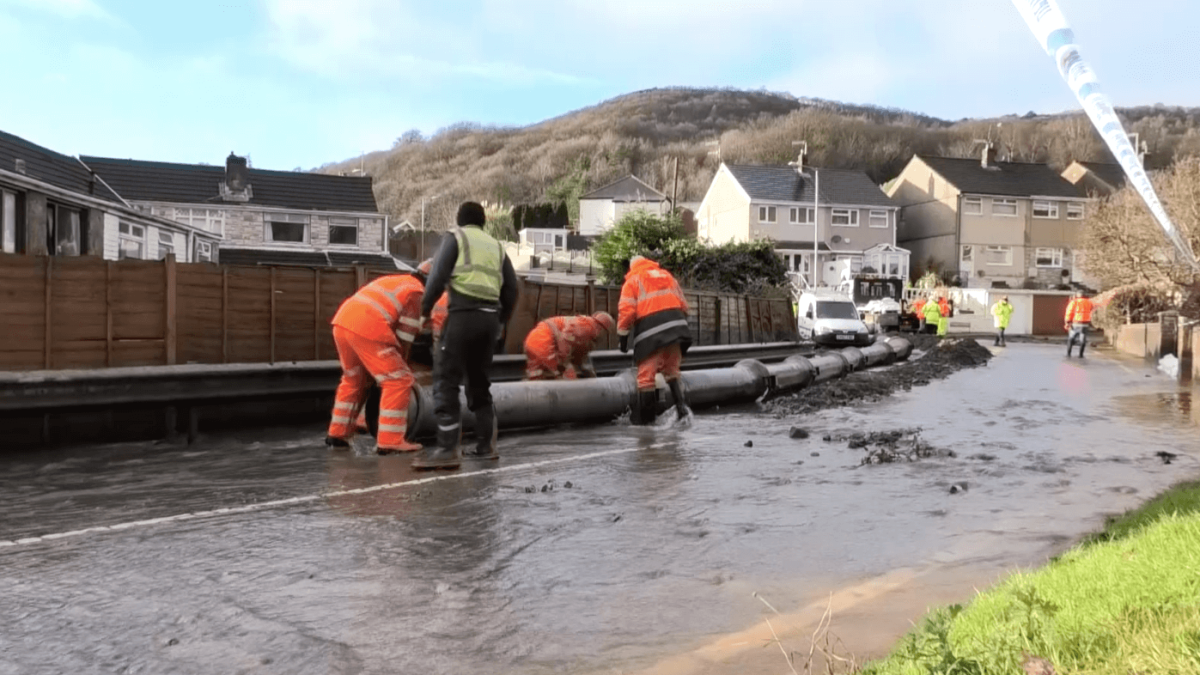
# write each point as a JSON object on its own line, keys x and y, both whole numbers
{"x": 931, "y": 312}
{"x": 483, "y": 294}
{"x": 1001, "y": 313}
{"x": 1077, "y": 322}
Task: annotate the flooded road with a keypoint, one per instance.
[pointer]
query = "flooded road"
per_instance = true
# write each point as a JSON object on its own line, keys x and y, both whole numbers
{"x": 601, "y": 550}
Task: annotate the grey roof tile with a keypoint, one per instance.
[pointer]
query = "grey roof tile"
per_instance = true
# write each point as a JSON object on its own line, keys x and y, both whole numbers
{"x": 784, "y": 184}
{"x": 51, "y": 167}
{"x": 1015, "y": 179}
{"x": 627, "y": 189}
{"x": 138, "y": 180}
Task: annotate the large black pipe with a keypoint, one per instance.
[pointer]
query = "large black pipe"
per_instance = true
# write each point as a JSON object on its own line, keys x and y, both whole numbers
{"x": 547, "y": 403}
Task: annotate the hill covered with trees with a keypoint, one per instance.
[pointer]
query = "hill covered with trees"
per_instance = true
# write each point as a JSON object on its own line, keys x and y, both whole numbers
{"x": 646, "y": 132}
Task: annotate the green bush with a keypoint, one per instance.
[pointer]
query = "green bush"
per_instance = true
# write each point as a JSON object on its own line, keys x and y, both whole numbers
{"x": 750, "y": 268}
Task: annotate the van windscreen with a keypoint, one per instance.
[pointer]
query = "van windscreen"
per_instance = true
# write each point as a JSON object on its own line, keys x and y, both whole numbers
{"x": 836, "y": 310}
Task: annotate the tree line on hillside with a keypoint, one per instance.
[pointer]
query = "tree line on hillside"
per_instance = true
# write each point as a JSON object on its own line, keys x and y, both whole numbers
{"x": 646, "y": 133}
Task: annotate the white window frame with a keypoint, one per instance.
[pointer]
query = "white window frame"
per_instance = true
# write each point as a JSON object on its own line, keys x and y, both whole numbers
{"x": 1005, "y": 202}
{"x": 134, "y": 234}
{"x": 967, "y": 254}
{"x": 295, "y": 218}
{"x": 8, "y": 221}
{"x": 801, "y": 215}
{"x": 1055, "y": 256}
{"x": 1048, "y": 209}
{"x": 335, "y": 221}
{"x": 209, "y": 220}
{"x": 204, "y": 251}
{"x": 851, "y": 216}
{"x": 166, "y": 244}
{"x": 874, "y": 214}
{"x": 1076, "y": 208}
{"x": 856, "y": 261}
{"x": 1007, "y": 250}
{"x": 766, "y": 214}
{"x": 973, "y": 206}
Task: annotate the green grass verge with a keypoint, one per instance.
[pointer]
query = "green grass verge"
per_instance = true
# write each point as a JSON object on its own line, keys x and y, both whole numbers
{"x": 1126, "y": 601}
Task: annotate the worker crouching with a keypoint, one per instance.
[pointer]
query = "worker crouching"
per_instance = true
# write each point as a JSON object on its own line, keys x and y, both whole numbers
{"x": 374, "y": 330}
{"x": 652, "y": 319}
{"x": 558, "y": 347}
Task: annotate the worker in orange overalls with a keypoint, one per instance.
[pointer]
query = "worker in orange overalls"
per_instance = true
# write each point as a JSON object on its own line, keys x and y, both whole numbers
{"x": 1078, "y": 321}
{"x": 374, "y": 330}
{"x": 654, "y": 312}
{"x": 918, "y": 304}
{"x": 559, "y": 346}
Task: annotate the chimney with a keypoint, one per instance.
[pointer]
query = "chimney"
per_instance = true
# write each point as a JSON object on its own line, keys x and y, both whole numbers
{"x": 236, "y": 187}
{"x": 19, "y": 166}
{"x": 988, "y": 160}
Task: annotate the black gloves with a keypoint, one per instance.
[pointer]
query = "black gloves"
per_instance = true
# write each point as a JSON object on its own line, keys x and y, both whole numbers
{"x": 623, "y": 343}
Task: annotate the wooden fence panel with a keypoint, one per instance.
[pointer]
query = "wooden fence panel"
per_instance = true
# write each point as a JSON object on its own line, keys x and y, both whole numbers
{"x": 294, "y": 315}
{"x": 77, "y": 309}
{"x": 22, "y": 312}
{"x": 336, "y": 286}
{"x": 249, "y": 315}
{"x": 199, "y": 307}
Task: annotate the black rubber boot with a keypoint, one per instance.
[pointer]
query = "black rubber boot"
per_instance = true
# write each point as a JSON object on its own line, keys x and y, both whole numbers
{"x": 337, "y": 443}
{"x": 681, "y": 406}
{"x": 643, "y": 408}
{"x": 486, "y": 431}
{"x": 1082, "y": 346}
{"x": 445, "y": 455}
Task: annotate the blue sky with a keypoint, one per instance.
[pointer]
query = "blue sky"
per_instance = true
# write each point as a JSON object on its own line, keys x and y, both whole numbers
{"x": 297, "y": 83}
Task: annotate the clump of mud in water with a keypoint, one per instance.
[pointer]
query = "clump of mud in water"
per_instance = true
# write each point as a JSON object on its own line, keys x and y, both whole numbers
{"x": 897, "y": 445}
{"x": 940, "y": 359}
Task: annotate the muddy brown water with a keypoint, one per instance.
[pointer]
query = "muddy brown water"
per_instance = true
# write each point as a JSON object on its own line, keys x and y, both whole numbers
{"x": 647, "y": 562}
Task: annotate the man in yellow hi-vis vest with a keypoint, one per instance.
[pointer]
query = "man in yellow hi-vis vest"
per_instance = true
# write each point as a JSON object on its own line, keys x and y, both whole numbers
{"x": 483, "y": 294}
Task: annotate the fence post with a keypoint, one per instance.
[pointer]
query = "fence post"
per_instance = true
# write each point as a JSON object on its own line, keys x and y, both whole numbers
{"x": 272, "y": 315}
{"x": 749, "y": 319}
{"x": 169, "y": 308}
{"x": 49, "y": 358}
{"x": 717, "y": 313}
{"x": 1185, "y": 350}
{"x": 108, "y": 313}
{"x": 224, "y": 314}
{"x": 591, "y": 296}
{"x": 317, "y": 314}
{"x": 360, "y": 275}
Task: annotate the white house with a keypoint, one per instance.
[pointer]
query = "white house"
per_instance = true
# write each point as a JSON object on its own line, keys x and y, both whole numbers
{"x": 602, "y": 207}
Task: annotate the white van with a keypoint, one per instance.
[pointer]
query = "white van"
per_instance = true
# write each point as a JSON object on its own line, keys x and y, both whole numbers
{"x": 831, "y": 319}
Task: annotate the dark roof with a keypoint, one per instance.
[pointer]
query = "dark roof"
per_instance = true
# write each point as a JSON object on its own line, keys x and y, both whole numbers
{"x": 259, "y": 256}
{"x": 785, "y": 184}
{"x": 50, "y": 167}
{"x": 801, "y": 245}
{"x": 628, "y": 189}
{"x": 137, "y": 180}
{"x": 1015, "y": 179}
{"x": 1112, "y": 174}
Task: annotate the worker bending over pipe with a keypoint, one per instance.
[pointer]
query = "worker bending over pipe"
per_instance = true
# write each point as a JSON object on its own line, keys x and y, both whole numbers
{"x": 558, "y": 347}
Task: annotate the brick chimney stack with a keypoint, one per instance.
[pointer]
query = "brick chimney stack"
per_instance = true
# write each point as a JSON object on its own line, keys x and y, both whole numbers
{"x": 988, "y": 160}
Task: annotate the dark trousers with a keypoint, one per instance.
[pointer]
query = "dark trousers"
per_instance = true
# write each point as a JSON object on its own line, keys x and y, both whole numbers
{"x": 1000, "y": 336}
{"x": 466, "y": 347}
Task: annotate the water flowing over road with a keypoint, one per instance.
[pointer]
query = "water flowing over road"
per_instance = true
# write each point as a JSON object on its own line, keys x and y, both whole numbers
{"x": 585, "y": 550}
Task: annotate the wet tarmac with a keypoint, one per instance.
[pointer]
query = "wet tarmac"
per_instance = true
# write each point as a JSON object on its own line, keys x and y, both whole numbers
{"x": 598, "y": 550}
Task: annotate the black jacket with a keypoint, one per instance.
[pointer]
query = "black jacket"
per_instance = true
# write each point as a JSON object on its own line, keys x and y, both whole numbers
{"x": 444, "y": 262}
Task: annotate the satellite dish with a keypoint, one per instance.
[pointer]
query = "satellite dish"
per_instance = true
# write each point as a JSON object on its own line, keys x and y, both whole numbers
{"x": 837, "y": 239}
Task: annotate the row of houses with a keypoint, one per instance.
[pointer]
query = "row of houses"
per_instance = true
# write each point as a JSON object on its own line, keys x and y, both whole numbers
{"x": 990, "y": 223}
{"x": 52, "y": 204}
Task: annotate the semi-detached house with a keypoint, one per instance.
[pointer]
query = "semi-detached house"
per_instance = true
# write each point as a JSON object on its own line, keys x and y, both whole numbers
{"x": 852, "y": 223}
{"x": 262, "y": 217}
{"x": 992, "y": 223}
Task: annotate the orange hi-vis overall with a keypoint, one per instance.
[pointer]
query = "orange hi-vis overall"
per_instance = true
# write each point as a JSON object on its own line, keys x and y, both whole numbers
{"x": 441, "y": 312}
{"x": 373, "y": 330}
{"x": 1079, "y": 310}
{"x": 557, "y": 346}
{"x": 650, "y": 290}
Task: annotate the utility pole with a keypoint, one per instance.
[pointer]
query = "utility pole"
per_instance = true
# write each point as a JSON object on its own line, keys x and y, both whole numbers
{"x": 675, "y": 189}
{"x": 423, "y": 200}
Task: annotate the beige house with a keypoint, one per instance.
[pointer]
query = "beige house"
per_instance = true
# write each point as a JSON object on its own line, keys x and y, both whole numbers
{"x": 261, "y": 217}
{"x": 991, "y": 222}
{"x": 602, "y": 207}
{"x": 780, "y": 203}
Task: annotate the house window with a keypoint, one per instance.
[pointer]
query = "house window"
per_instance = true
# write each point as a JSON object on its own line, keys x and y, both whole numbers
{"x": 973, "y": 206}
{"x": 845, "y": 217}
{"x": 204, "y": 251}
{"x": 766, "y": 214}
{"x": 131, "y": 241}
{"x": 856, "y": 262}
{"x": 968, "y": 253}
{"x": 166, "y": 244}
{"x": 1004, "y": 207}
{"x": 878, "y": 219}
{"x": 343, "y": 232}
{"x": 997, "y": 255}
{"x": 1045, "y": 209}
{"x": 291, "y": 228}
{"x": 1074, "y": 211}
{"x": 800, "y": 215}
{"x": 209, "y": 220}
{"x": 63, "y": 231}
{"x": 8, "y": 222}
{"x": 1049, "y": 257}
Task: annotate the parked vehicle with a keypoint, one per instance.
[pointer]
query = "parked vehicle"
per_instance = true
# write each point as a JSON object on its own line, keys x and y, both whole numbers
{"x": 831, "y": 319}
{"x": 879, "y": 301}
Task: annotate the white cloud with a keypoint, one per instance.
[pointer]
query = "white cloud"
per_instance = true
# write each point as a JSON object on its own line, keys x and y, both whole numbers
{"x": 69, "y": 9}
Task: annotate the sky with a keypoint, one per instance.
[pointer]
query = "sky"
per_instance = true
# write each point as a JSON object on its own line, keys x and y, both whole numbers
{"x": 299, "y": 83}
